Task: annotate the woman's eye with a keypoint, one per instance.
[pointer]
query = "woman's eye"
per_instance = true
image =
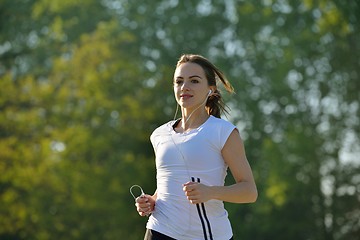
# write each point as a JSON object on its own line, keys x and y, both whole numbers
{"x": 194, "y": 81}
{"x": 178, "y": 82}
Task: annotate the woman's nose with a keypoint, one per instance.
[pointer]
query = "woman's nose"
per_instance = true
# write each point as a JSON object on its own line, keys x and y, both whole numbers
{"x": 184, "y": 86}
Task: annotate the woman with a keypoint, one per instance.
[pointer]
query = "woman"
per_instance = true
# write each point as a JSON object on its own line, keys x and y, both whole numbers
{"x": 192, "y": 157}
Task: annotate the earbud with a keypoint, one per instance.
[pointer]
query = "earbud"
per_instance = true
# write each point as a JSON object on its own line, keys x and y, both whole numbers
{"x": 210, "y": 92}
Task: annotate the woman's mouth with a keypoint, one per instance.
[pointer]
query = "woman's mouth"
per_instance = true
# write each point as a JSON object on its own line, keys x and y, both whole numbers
{"x": 185, "y": 96}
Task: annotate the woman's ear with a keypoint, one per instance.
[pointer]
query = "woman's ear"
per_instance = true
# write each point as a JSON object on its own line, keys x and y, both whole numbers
{"x": 211, "y": 91}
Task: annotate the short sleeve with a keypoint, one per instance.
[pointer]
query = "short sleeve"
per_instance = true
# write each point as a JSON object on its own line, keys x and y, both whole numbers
{"x": 225, "y": 131}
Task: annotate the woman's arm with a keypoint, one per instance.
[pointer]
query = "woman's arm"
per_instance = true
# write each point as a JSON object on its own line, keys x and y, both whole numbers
{"x": 243, "y": 191}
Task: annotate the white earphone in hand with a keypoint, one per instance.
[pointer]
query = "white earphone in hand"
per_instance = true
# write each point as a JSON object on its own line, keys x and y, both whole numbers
{"x": 209, "y": 92}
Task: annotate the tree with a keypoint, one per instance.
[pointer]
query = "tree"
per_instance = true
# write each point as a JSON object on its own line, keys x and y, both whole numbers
{"x": 77, "y": 99}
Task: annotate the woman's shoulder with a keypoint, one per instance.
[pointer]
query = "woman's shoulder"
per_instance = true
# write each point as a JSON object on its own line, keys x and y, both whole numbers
{"x": 220, "y": 122}
{"x": 165, "y": 128}
{"x": 219, "y": 131}
{"x": 166, "y": 125}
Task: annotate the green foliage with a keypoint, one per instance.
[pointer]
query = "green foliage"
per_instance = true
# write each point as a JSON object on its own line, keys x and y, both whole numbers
{"x": 84, "y": 83}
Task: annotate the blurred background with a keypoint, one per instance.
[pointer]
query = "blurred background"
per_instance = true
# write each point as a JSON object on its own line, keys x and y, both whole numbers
{"x": 84, "y": 83}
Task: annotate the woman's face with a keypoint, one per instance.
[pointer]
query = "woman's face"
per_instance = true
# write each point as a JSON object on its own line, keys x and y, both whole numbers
{"x": 190, "y": 85}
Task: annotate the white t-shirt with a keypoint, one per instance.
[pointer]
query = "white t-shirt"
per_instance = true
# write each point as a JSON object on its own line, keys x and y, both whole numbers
{"x": 183, "y": 157}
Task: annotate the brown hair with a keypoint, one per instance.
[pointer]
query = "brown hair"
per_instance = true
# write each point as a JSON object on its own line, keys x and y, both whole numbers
{"x": 214, "y": 105}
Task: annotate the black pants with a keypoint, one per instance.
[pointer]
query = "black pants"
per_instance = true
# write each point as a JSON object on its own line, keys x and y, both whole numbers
{"x": 154, "y": 235}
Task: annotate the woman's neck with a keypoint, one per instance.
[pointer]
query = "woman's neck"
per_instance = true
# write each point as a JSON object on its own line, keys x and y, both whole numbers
{"x": 192, "y": 120}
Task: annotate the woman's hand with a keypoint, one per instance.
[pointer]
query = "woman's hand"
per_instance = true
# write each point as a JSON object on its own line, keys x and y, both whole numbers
{"x": 197, "y": 192}
{"x": 145, "y": 205}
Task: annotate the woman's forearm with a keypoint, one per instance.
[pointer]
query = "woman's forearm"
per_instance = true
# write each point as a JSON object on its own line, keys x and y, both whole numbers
{"x": 241, "y": 192}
